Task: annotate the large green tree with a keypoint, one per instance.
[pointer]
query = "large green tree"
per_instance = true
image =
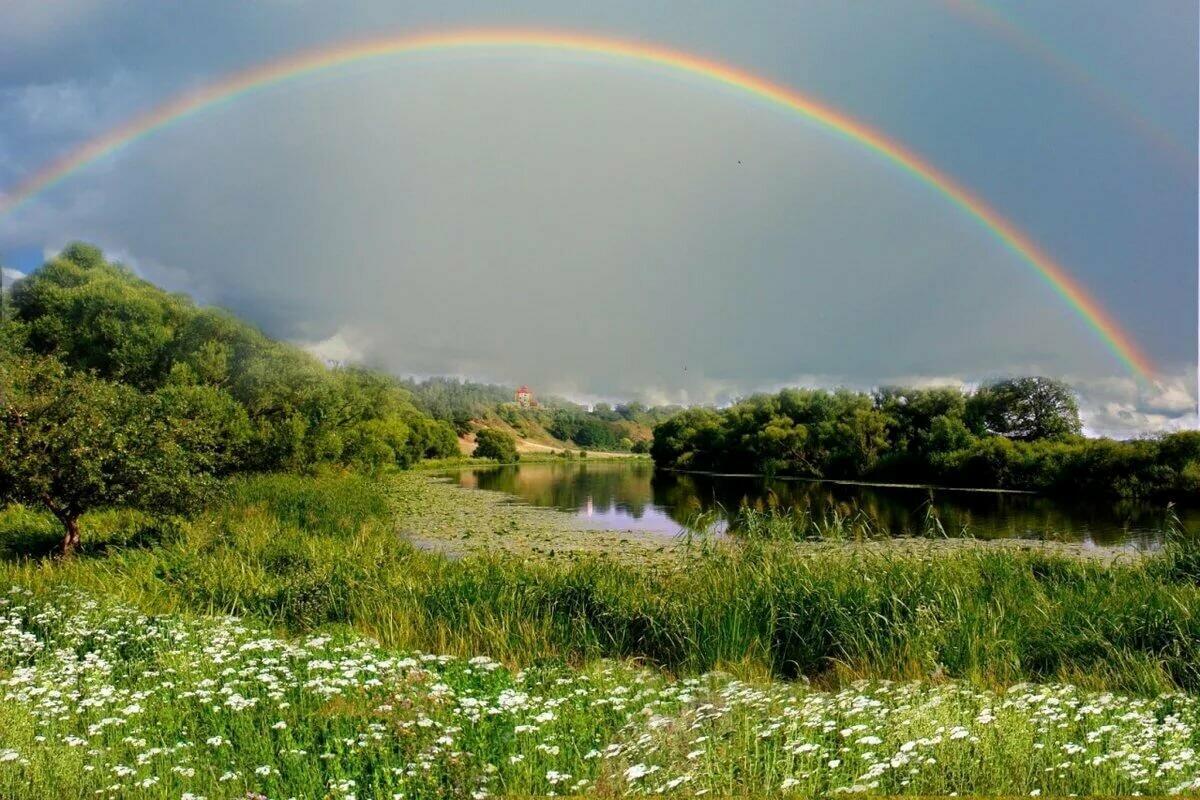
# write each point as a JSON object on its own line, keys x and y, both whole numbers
{"x": 71, "y": 442}
{"x": 1025, "y": 409}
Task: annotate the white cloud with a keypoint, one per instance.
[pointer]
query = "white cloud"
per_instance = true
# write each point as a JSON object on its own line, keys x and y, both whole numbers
{"x": 1125, "y": 407}
{"x": 346, "y": 346}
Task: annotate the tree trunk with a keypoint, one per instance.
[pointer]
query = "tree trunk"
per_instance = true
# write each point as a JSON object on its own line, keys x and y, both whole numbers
{"x": 70, "y": 540}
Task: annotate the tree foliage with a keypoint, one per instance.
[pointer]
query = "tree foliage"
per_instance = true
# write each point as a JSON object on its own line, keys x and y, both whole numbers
{"x": 603, "y": 427}
{"x": 147, "y": 373}
{"x": 71, "y": 442}
{"x": 497, "y": 444}
{"x": 1025, "y": 409}
{"x": 98, "y": 317}
{"x": 1016, "y": 434}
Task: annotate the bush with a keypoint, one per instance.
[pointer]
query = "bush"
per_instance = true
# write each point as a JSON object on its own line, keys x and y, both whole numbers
{"x": 491, "y": 443}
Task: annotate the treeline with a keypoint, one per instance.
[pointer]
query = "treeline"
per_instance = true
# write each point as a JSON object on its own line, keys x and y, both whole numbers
{"x": 115, "y": 391}
{"x": 457, "y": 401}
{"x": 1015, "y": 434}
{"x": 625, "y": 426}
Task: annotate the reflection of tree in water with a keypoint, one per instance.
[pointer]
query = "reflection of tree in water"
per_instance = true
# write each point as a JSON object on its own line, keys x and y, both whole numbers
{"x": 620, "y": 486}
{"x": 634, "y": 488}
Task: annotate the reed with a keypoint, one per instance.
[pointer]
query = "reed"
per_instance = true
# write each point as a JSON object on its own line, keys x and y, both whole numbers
{"x": 301, "y": 553}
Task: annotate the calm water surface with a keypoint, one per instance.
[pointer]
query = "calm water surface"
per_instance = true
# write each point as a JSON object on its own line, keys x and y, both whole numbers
{"x": 634, "y": 496}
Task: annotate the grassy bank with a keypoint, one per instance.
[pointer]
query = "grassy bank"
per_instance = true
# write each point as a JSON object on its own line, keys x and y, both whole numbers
{"x": 298, "y": 553}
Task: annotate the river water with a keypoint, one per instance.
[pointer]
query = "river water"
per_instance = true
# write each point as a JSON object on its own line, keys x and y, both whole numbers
{"x": 632, "y": 495}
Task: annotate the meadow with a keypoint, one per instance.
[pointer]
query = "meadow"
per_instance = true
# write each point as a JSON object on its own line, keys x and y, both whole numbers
{"x": 291, "y": 641}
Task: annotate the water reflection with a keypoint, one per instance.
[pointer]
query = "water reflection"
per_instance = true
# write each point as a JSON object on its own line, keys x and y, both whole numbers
{"x": 633, "y": 495}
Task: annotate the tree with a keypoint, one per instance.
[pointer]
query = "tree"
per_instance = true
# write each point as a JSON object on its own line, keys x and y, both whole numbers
{"x": 492, "y": 443}
{"x": 71, "y": 442}
{"x": 1025, "y": 409}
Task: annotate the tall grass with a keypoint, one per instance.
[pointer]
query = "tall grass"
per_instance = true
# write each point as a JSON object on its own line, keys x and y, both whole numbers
{"x": 770, "y": 521}
{"x": 1181, "y": 553}
{"x": 305, "y": 552}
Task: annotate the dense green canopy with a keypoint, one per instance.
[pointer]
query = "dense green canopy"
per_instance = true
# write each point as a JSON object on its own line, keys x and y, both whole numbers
{"x": 1022, "y": 433}
{"x": 147, "y": 369}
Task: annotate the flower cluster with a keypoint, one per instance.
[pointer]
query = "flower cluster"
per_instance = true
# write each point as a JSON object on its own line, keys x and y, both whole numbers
{"x": 98, "y": 699}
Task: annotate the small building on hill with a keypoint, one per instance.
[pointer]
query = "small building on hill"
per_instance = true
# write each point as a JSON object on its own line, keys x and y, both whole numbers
{"x": 525, "y": 397}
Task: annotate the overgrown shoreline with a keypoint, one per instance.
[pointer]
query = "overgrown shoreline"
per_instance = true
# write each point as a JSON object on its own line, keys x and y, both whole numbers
{"x": 300, "y": 553}
{"x": 1020, "y": 433}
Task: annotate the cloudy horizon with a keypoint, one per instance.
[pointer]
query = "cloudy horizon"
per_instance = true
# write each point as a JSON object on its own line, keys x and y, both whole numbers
{"x": 608, "y": 231}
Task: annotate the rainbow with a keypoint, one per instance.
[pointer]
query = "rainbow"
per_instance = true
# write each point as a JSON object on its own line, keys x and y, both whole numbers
{"x": 312, "y": 61}
{"x": 1116, "y": 104}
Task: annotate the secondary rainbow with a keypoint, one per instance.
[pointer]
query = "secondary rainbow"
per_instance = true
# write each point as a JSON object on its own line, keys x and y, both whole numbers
{"x": 996, "y": 21}
{"x": 311, "y": 61}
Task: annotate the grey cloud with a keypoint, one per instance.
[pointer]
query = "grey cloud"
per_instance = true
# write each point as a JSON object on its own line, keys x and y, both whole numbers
{"x": 552, "y": 219}
{"x": 585, "y": 226}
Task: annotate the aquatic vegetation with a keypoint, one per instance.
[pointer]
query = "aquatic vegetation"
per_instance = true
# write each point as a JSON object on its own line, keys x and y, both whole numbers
{"x": 303, "y": 553}
{"x": 101, "y": 698}
{"x": 803, "y": 524}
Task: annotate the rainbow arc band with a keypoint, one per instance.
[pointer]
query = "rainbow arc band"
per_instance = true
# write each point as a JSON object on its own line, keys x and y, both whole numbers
{"x": 308, "y": 62}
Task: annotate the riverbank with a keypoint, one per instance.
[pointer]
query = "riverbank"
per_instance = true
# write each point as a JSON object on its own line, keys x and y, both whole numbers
{"x": 367, "y": 552}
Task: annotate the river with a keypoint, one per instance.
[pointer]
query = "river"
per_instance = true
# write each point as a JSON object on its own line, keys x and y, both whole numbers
{"x": 633, "y": 495}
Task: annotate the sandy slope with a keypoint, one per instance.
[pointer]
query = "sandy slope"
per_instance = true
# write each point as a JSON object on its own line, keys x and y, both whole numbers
{"x": 466, "y": 444}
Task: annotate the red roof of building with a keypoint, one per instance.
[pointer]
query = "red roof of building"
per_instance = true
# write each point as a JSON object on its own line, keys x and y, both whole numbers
{"x": 524, "y": 390}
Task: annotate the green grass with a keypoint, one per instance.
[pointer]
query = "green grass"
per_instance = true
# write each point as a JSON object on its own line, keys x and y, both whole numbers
{"x": 103, "y": 700}
{"x": 620, "y": 652}
{"x": 299, "y": 553}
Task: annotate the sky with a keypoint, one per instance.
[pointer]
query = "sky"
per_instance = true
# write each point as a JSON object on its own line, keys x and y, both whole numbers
{"x": 609, "y": 230}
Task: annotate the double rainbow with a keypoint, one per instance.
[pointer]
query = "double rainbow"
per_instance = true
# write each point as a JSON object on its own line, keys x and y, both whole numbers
{"x": 312, "y": 61}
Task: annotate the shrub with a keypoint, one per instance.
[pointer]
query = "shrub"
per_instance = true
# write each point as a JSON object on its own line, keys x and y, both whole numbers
{"x": 492, "y": 443}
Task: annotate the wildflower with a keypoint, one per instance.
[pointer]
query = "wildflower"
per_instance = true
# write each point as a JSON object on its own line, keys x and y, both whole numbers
{"x": 637, "y": 771}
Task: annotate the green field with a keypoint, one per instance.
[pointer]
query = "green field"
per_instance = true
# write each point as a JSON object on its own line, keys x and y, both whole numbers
{"x": 276, "y": 644}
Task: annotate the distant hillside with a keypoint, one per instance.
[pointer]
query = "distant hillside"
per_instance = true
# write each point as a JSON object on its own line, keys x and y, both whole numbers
{"x": 552, "y": 421}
